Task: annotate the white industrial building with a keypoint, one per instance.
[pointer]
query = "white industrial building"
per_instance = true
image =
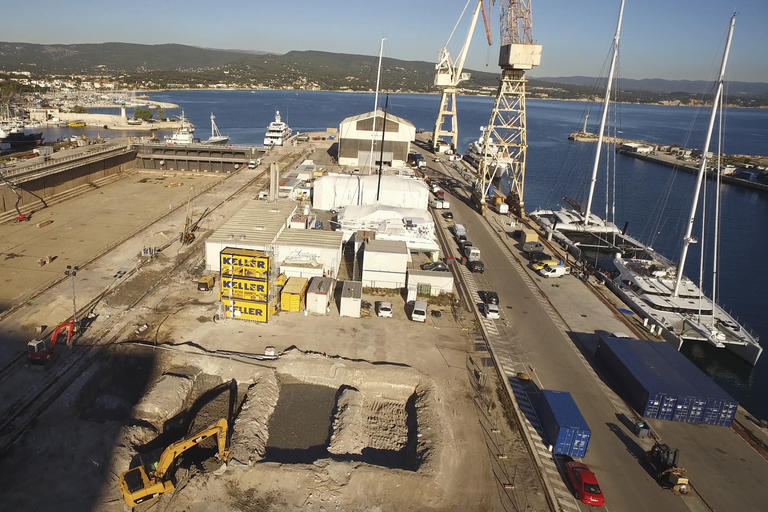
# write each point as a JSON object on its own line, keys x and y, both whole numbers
{"x": 357, "y": 132}
{"x": 339, "y": 190}
{"x": 385, "y": 263}
{"x": 413, "y": 226}
{"x": 429, "y": 282}
{"x": 263, "y": 226}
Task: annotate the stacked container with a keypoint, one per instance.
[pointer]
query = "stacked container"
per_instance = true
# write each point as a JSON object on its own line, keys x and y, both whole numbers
{"x": 659, "y": 382}
{"x": 245, "y": 284}
{"x": 564, "y": 426}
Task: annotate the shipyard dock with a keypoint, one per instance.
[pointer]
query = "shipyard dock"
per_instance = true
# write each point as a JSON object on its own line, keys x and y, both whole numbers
{"x": 741, "y": 170}
{"x": 435, "y": 409}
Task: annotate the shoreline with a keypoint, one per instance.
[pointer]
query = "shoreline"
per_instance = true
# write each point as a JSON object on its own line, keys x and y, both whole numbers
{"x": 435, "y": 93}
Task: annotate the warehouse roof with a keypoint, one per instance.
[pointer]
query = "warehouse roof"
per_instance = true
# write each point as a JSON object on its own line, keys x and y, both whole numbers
{"x": 258, "y": 223}
{"x": 379, "y": 113}
{"x": 311, "y": 238}
{"x": 392, "y": 246}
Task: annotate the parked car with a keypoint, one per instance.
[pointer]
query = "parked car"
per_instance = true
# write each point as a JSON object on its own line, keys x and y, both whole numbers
{"x": 556, "y": 271}
{"x": 448, "y": 215}
{"x": 384, "y": 309}
{"x": 584, "y": 484}
{"x": 490, "y": 297}
{"x": 435, "y": 266}
{"x": 491, "y": 311}
{"x": 419, "y": 311}
{"x": 463, "y": 244}
{"x": 537, "y": 256}
{"x": 546, "y": 263}
{"x": 476, "y": 266}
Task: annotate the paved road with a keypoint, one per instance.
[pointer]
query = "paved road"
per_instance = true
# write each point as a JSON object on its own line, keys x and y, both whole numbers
{"x": 530, "y": 334}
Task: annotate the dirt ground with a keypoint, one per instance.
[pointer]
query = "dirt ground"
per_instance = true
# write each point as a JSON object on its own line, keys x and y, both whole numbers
{"x": 356, "y": 414}
{"x": 410, "y": 426}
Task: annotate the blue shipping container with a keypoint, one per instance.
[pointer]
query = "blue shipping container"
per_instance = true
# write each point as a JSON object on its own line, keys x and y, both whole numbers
{"x": 562, "y": 422}
{"x": 659, "y": 382}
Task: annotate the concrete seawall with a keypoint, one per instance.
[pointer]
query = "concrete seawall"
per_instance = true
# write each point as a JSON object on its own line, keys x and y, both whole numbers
{"x": 117, "y": 122}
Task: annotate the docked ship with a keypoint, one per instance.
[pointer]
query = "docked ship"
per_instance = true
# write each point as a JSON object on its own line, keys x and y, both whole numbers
{"x": 14, "y": 138}
{"x": 277, "y": 132}
{"x": 216, "y": 136}
{"x": 184, "y": 134}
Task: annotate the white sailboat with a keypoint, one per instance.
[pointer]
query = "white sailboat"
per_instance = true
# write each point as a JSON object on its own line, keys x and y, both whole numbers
{"x": 566, "y": 221}
{"x": 658, "y": 290}
{"x": 216, "y": 136}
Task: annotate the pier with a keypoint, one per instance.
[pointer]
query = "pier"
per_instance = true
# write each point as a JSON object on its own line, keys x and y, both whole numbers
{"x": 669, "y": 156}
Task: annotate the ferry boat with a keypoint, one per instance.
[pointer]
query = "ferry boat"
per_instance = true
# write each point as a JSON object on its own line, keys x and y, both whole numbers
{"x": 76, "y": 124}
{"x": 277, "y": 132}
{"x": 185, "y": 134}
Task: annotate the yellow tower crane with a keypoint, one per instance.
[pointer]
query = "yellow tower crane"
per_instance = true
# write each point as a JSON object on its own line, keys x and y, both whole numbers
{"x": 505, "y": 143}
{"x": 450, "y": 74}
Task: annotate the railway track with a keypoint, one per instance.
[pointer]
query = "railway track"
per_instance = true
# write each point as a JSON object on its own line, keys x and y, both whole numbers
{"x": 20, "y": 415}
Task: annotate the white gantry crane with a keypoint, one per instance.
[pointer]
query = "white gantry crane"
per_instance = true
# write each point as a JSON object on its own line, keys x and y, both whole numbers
{"x": 507, "y": 125}
{"x": 449, "y": 75}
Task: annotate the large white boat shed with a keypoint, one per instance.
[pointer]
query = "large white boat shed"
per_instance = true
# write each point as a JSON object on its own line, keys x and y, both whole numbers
{"x": 263, "y": 226}
{"x": 356, "y": 133}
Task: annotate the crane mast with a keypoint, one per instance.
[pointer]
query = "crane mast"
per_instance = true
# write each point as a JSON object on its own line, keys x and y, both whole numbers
{"x": 507, "y": 126}
{"x": 449, "y": 75}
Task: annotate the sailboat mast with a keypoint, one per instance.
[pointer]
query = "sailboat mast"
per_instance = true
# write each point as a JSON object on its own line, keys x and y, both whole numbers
{"x": 687, "y": 240}
{"x": 213, "y": 125}
{"x": 376, "y": 105}
{"x": 716, "y": 241}
{"x": 604, "y": 116}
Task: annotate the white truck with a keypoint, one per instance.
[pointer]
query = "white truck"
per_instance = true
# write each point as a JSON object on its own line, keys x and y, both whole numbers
{"x": 472, "y": 253}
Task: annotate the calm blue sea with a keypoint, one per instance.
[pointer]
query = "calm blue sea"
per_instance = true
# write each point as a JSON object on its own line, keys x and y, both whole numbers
{"x": 653, "y": 199}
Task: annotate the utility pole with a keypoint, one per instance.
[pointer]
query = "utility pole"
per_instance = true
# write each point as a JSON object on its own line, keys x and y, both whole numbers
{"x": 72, "y": 272}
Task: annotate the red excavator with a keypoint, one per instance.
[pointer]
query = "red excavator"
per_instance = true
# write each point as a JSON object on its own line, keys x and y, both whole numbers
{"x": 40, "y": 351}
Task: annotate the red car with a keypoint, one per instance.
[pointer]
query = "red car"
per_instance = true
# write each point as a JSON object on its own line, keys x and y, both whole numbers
{"x": 584, "y": 483}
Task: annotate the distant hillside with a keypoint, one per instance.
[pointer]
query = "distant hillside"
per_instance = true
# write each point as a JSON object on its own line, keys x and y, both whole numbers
{"x": 189, "y": 64}
{"x": 74, "y": 58}
{"x": 174, "y": 65}
{"x": 659, "y": 85}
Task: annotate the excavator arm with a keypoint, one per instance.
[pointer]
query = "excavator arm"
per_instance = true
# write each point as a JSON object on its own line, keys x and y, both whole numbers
{"x": 138, "y": 486}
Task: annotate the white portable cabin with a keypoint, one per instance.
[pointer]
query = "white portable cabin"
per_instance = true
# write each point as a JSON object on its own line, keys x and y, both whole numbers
{"x": 351, "y": 298}
{"x": 319, "y": 295}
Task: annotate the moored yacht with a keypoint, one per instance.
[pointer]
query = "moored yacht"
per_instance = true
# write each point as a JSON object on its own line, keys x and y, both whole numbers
{"x": 658, "y": 290}
{"x": 277, "y": 132}
{"x": 184, "y": 134}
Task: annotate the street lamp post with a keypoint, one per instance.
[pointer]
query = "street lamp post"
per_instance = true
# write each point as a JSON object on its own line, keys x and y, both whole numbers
{"x": 72, "y": 272}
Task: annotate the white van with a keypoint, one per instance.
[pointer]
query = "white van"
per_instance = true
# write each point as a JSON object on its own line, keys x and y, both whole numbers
{"x": 419, "y": 311}
{"x": 556, "y": 271}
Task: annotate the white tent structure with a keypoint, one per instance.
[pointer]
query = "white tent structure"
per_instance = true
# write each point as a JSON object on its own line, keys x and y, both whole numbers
{"x": 339, "y": 190}
{"x": 414, "y": 226}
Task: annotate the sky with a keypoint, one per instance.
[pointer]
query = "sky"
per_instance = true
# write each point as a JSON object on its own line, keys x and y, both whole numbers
{"x": 671, "y": 39}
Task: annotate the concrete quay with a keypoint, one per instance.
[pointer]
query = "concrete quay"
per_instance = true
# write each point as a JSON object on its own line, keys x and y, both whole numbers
{"x": 548, "y": 329}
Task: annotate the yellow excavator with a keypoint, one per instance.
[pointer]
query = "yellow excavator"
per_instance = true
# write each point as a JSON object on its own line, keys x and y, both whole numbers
{"x": 146, "y": 482}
